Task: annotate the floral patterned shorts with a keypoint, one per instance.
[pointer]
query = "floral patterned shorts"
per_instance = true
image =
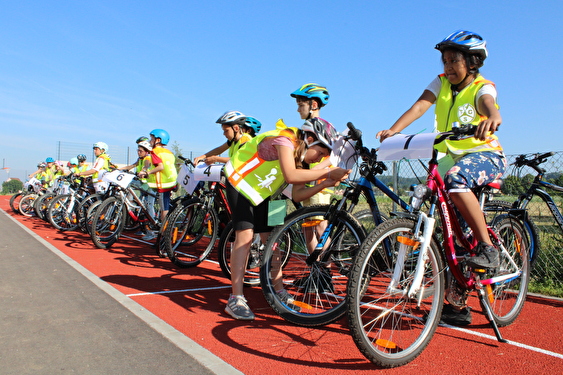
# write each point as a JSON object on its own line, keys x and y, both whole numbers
{"x": 475, "y": 169}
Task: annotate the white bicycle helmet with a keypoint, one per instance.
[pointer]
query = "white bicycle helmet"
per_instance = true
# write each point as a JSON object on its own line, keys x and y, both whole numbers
{"x": 231, "y": 118}
{"x": 101, "y": 146}
{"x": 323, "y": 131}
{"x": 145, "y": 144}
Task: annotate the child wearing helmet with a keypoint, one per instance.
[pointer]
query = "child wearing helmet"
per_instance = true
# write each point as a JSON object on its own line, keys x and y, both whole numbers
{"x": 148, "y": 195}
{"x": 238, "y": 129}
{"x": 461, "y": 94}
{"x": 100, "y": 167}
{"x": 260, "y": 169}
{"x": 161, "y": 171}
{"x": 310, "y": 98}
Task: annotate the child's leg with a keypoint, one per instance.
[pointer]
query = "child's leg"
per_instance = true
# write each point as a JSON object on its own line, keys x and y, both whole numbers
{"x": 239, "y": 258}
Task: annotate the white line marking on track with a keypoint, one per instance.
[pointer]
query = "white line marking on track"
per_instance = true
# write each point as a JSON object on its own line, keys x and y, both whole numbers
{"x": 514, "y": 343}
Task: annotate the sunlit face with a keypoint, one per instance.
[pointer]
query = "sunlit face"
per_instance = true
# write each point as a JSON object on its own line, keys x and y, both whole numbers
{"x": 153, "y": 140}
{"x": 304, "y": 108}
{"x": 141, "y": 152}
{"x": 97, "y": 151}
{"x": 315, "y": 154}
{"x": 229, "y": 131}
{"x": 455, "y": 67}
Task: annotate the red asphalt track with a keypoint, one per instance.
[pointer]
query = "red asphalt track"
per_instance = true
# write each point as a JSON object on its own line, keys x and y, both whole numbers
{"x": 192, "y": 301}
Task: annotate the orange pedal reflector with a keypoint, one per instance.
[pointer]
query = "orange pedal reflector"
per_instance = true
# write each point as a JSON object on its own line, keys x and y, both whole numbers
{"x": 303, "y": 305}
{"x": 386, "y": 344}
{"x": 311, "y": 223}
{"x": 209, "y": 227}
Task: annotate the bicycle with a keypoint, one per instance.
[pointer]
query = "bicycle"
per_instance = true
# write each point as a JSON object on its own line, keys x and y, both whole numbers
{"x": 316, "y": 282}
{"x": 398, "y": 280}
{"x": 63, "y": 209}
{"x": 108, "y": 220}
{"x": 193, "y": 227}
{"x": 536, "y": 188}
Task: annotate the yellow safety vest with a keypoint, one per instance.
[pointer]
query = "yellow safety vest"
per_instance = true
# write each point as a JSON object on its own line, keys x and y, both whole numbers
{"x": 164, "y": 180}
{"x": 463, "y": 110}
{"x": 254, "y": 177}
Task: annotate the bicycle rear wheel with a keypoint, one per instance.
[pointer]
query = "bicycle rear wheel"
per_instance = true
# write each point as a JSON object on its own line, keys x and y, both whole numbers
{"x": 315, "y": 292}
{"x": 496, "y": 208}
{"x": 506, "y": 298}
{"x": 388, "y": 326}
{"x": 255, "y": 258}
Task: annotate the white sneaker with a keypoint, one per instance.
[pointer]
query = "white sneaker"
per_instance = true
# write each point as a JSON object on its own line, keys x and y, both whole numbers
{"x": 238, "y": 308}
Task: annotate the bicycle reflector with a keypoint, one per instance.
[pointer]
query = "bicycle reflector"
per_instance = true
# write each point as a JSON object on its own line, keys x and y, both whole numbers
{"x": 419, "y": 193}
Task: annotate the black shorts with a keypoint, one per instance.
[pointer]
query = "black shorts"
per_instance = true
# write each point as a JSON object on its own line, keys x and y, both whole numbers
{"x": 245, "y": 215}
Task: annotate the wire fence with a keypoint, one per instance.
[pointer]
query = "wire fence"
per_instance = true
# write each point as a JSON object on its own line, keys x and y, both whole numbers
{"x": 547, "y": 275}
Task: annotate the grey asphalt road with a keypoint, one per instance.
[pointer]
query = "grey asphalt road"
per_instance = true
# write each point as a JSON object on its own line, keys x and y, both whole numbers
{"x": 58, "y": 318}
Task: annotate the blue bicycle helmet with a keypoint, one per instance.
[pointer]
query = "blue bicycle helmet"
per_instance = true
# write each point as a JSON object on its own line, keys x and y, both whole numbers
{"x": 253, "y": 123}
{"x": 313, "y": 91}
{"x": 466, "y": 41}
{"x": 73, "y": 161}
{"x": 49, "y": 160}
{"x": 162, "y": 134}
{"x": 81, "y": 157}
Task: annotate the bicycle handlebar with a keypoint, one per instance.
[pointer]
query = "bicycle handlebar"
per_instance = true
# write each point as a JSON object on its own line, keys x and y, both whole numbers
{"x": 186, "y": 160}
{"x": 532, "y": 160}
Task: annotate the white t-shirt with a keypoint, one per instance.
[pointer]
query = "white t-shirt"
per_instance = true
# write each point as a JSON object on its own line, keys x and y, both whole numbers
{"x": 435, "y": 86}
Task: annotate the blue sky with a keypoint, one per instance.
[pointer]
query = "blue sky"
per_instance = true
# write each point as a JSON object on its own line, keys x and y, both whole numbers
{"x": 88, "y": 71}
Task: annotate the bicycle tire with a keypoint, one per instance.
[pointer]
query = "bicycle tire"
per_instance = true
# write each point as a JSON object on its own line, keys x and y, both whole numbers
{"x": 83, "y": 209}
{"x": 389, "y": 327}
{"x": 41, "y": 205}
{"x": 191, "y": 234}
{"x": 506, "y": 298}
{"x": 108, "y": 222}
{"x": 26, "y": 205}
{"x": 255, "y": 258}
{"x": 15, "y": 201}
{"x": 499, "y": 207}
{"x": 59, "y": 214}
{"x": 318, "y": 290}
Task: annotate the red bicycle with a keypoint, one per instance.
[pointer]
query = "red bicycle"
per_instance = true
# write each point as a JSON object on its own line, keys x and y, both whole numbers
{"x": 401, "y": 274}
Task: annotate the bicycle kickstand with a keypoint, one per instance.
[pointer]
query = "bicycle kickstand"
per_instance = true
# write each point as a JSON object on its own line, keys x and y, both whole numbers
{"x": 489, "y": 315}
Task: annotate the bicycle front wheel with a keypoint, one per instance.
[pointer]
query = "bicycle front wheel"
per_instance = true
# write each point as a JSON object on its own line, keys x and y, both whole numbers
{"x": 26, "y": 205}
{"x": 309, "y": 292}
{"x": 62, "y": 212}
{"x": 391, "y": 322}
{"x": 506, "y": 298}
{"x": 191, "y": 233}
{"x": 108, "y": 222}
{"x": 15, "y": 201}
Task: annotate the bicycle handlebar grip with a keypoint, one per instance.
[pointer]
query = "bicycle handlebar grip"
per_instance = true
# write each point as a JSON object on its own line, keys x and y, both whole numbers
{"x": 354, "y": 133}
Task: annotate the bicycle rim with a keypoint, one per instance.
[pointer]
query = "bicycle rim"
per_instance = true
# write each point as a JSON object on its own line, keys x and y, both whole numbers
{"x": 389, "y": 327}
{"x": 506, "y": 298}
{"x": 193, "y": 234}
{"x": 317, "y": 291}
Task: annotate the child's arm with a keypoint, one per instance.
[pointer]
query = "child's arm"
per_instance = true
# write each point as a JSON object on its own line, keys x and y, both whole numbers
{"x": 216, "y": 151}
{"x": 494, "y": 119}
{"x": 413, "y": 113}
{"x": 293, "y": 175}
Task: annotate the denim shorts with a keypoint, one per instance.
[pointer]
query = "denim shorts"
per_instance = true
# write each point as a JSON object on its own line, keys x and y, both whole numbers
{"x": 475, "y": 169}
